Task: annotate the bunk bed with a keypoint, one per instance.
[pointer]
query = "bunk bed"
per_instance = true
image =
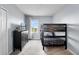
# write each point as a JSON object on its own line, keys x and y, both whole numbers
{"x": 50, "y": 35}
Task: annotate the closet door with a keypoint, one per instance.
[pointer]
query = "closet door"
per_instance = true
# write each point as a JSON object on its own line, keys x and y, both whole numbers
{"x": 0, "y": 32}
{"x": 3, "y": 32}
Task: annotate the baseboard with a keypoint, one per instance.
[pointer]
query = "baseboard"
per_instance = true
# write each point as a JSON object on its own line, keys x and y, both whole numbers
{"x": 10, "y": 52}
{"x": 72, "y": 52}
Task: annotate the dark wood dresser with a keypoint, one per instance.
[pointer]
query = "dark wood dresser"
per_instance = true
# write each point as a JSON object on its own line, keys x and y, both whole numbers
{"x": 17, "y": 40}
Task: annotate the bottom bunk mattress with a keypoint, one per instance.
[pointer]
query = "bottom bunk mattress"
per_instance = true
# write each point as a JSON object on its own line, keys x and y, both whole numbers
{"x": 53, "y": 41}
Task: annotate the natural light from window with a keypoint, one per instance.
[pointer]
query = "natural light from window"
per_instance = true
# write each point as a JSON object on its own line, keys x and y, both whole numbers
{"x": 34, "y": 25}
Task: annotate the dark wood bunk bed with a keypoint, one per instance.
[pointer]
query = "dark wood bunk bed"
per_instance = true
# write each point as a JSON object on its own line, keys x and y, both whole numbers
{"x": 51, "y": 39}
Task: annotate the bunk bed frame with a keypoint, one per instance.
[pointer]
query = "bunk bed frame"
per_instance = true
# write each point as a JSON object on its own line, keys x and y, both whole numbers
{"x": 53, "y": 28}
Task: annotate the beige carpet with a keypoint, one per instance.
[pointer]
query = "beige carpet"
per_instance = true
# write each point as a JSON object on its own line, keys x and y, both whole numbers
{"x": 57, "y": 51}
{"x": 34, "y": 47}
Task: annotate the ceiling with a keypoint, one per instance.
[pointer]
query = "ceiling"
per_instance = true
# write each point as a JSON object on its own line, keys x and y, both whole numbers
{"x": 40, "y": 9}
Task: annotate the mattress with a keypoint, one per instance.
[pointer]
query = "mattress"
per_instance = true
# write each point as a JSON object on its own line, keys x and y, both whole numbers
{"x": 53, "y": 41}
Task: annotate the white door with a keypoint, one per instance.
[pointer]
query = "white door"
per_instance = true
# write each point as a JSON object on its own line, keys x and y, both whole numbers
{"x": 35, "y": 29}
{"x": 3, "y": 32}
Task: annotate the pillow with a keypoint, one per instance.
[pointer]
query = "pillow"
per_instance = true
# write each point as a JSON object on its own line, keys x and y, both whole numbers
{"x": 48, "y": 34}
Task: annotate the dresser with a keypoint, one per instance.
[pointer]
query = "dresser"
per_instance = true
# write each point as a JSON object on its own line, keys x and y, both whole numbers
{"x": 17, "y": 40}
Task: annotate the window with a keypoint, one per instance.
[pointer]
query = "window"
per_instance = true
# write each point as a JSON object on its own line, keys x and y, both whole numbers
{"x": 34, "y": 25}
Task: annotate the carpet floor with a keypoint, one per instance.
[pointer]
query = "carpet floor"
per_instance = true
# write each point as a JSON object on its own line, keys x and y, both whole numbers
{"x": 34, "y": 47}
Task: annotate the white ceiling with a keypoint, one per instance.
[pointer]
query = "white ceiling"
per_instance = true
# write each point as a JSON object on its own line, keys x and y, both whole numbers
{"x": 39, "y": 9}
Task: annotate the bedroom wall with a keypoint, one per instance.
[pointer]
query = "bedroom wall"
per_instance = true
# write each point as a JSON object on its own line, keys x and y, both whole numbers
{"x": 70, "y": 15}
{"x": 14, "y": 18}
{"x": 27, "y": 23}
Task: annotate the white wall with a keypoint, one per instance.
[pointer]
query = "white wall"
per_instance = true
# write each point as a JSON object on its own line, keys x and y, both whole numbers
{"x": 41, "y": 20}
{"x": 14, "y": 18}
{"x": 70, "y": 15}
